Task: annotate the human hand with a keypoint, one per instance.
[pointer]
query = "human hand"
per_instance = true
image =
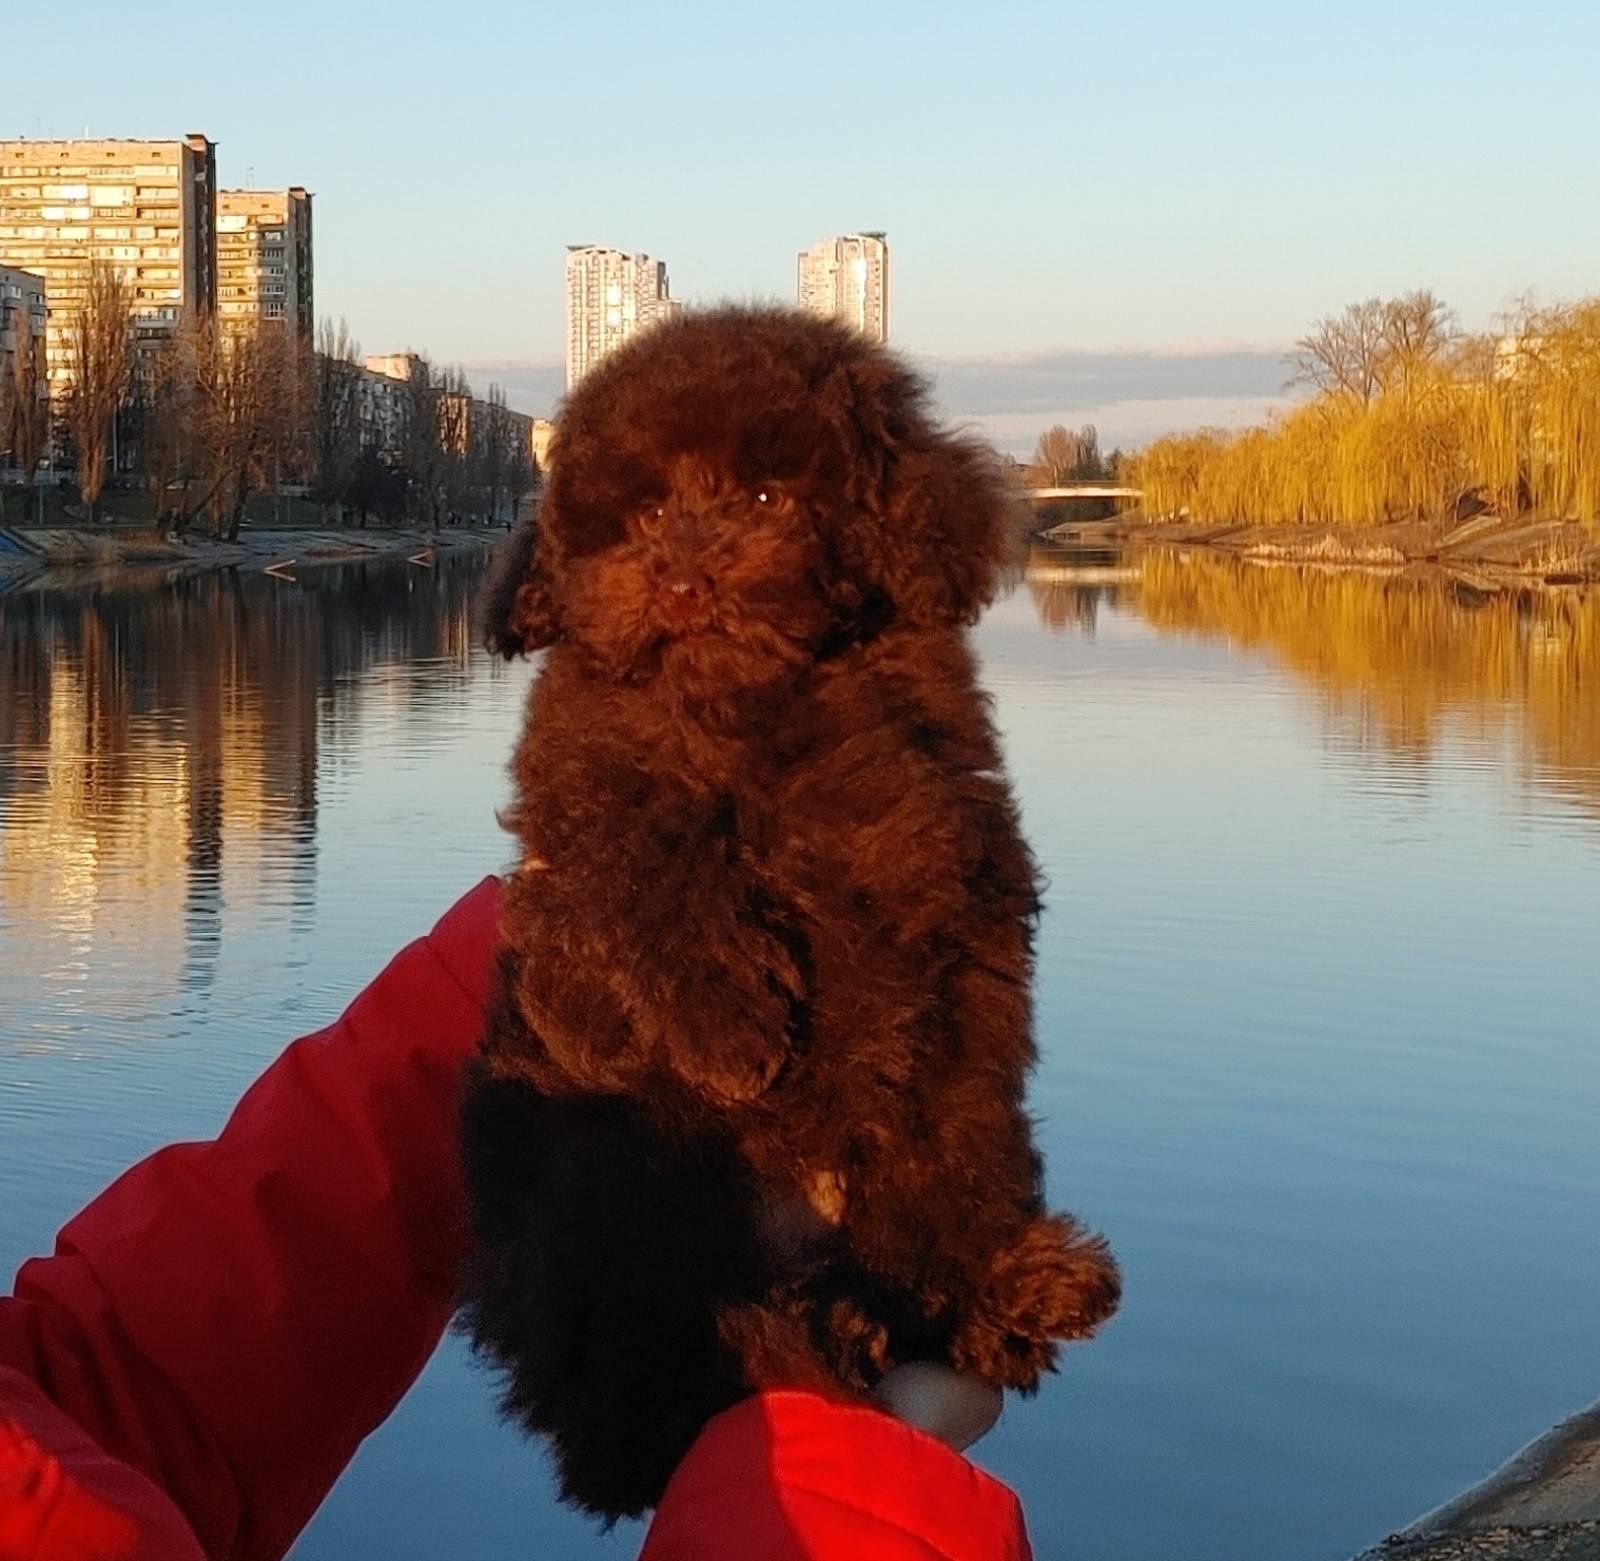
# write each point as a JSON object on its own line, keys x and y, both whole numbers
{"x": 941, "y": 1401}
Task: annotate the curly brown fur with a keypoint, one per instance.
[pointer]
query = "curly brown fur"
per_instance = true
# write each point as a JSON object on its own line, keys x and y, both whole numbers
{"x": 749, "y": 1112}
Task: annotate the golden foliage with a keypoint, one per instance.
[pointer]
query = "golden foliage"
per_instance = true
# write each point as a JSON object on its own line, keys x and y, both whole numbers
{"x": 1515, "y": 417}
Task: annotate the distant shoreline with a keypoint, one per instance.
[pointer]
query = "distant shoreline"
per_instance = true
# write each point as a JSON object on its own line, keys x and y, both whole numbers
{"x": 1487, "y": 550}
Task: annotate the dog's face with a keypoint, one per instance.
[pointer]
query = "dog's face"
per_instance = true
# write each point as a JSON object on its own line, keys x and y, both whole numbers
{"x": 738, "y": 493}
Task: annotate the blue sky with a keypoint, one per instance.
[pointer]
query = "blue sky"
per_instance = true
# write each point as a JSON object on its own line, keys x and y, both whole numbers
{"x": 1078, "y": 185}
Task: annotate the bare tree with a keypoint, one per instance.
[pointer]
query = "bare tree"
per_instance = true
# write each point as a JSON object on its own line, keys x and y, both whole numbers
{"x": 1065, "y": 455}
{"x": 522, "y": 476}
{"x": 239, "y": 394}
{"x": 167, "y": 396}
{"x": 1374, "y": 347}
{"x": 422, "y": 454}
{"x": 333, "y": 438}
{"x": 455, "y": 442}
{"x": 1418, "y": 332}
{"x": 494, "y": 437}
{"x": 1344, "y": 353}
{"x": 102, "y": 364}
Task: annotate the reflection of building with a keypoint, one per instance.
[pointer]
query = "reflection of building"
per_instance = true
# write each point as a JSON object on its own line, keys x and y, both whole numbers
{"x": 610, "y": 296}
{"x": 148, "y": 208}
{"x": 264, "y": 258}
{"x": 159, "y": 750}
{"x": 848, "y": 278}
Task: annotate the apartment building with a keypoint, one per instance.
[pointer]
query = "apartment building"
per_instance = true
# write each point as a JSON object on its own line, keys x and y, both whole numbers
{"x": 848, "y": 278}
{"x": 146, "y": 207}
{"x": 22, "y": 313}
{"x": 610, "y": 296}
{"x": 264, "y": 270}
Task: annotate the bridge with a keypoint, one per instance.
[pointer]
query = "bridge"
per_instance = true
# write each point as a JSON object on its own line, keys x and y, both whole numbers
{"x": 1085, "y": 490}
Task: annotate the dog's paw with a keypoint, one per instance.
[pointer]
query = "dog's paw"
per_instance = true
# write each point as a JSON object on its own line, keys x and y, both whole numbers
{"x": 723, "y": 1029}
{"x": 1055, "y": 1282}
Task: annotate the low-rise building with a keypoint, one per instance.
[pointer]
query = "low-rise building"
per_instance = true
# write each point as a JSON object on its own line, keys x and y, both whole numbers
{"x": 383, "y": 400}
{"x": 22, "y": 330}
{"x": 22, "y": 312}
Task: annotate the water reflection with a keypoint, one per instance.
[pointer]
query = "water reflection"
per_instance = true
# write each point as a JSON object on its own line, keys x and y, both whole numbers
{"x": 161, "y": 739}
{"x": 1397, "y": 661}
{"x": 1318, "y": 1055}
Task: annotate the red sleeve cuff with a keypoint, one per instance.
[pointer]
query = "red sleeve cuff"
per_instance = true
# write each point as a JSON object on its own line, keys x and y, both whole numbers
{"x": 795, "y": 1477}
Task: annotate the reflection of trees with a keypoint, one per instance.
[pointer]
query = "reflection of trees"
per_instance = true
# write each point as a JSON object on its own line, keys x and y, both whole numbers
{"x": 168, "y": 731}
{"x": 1401, "y": 658}
{"x": 1066, "y": 595}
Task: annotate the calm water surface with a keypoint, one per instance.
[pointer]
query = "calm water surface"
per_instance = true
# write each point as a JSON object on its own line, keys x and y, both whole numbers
{"x": 1319, "y": 999}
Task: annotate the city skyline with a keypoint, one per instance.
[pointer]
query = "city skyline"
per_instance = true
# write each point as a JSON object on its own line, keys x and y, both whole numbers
{"x": 1215, "y": 178}
{"x": 1210, "y": 186}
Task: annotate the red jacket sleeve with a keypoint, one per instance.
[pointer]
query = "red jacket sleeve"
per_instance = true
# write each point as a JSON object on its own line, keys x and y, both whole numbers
{"x": 793, "y": 1477}
{"x": 215, "y": 1334}
{"x": 230, "y": 1319}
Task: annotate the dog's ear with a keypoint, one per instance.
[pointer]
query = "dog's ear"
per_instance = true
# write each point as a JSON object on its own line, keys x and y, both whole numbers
{"x": 933, "y": 526}
{"x": 944, "y": 528}
{"x": 518, "y": 607}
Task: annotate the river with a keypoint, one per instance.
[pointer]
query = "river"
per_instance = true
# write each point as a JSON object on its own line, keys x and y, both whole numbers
{"x": 1319, "y": 998}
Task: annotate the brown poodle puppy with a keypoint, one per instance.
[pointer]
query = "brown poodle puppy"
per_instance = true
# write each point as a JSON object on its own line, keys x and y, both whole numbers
{"x": 750, "y": 1107}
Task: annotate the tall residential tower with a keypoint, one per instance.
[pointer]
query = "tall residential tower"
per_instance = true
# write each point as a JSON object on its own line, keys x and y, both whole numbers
{"x": 848, "y": 278}
{"x": 264, "y": 259}
{"x": 610, "y": 296}
{"x": 146, "y": 207}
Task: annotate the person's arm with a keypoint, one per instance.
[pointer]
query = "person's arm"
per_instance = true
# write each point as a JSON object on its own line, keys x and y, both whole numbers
{"x": 217, "y": 1331}
{"x": 228, "y": 1320}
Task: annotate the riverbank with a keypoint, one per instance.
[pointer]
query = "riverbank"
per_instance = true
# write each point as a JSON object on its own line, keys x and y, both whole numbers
{"x": 1486, "y": 550}
{"x": 29, "y": 554}
{"x": 1543, "y": 1505}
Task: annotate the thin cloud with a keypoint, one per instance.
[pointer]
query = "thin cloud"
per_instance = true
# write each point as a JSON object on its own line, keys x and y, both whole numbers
{"x": 1130, "y": 396}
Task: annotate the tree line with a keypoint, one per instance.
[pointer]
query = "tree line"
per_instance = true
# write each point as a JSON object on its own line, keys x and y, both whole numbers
{"x": 212, "y": 415}
{"x": 1409, "y": 418}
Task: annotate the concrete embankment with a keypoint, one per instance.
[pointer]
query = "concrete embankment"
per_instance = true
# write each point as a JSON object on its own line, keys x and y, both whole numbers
{"x": 26, "y": 554}
{"x": 1544, "y": 1505}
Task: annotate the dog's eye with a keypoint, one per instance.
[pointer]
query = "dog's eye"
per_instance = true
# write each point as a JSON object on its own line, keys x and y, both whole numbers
{"x": 767, "y": 493}
{"x": 651, "y": 517}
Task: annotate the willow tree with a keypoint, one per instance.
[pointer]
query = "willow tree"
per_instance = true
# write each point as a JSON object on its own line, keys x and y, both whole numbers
{"x": 101, "y": 367}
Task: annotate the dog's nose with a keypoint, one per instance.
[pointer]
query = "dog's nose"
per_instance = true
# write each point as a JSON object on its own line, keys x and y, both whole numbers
{"x": 687, "y": 587}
